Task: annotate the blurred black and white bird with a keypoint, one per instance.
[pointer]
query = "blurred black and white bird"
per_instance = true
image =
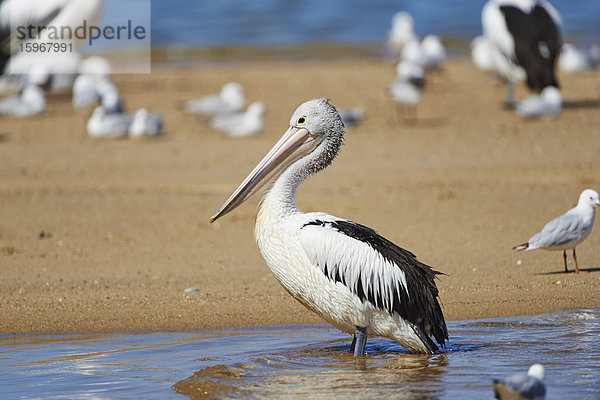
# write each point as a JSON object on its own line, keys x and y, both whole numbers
{"x": 525, "y": 38}
{"x": 43, "y": 14}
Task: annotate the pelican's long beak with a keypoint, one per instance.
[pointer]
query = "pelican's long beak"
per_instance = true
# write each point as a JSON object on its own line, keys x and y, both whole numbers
{"x": 294, "y": 143}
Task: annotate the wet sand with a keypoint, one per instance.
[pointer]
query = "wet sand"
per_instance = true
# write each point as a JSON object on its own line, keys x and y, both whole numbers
{"x": 106, "y": 235}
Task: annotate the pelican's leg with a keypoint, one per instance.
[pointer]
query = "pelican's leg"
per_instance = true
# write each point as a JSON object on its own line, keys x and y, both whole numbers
{"x": 510, "y": 95}
{"x": 359, "y": 342}
{"x": 565, "y": 258}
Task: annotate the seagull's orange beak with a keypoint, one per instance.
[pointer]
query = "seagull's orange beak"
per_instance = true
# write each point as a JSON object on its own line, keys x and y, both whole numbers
{"x": 294, "y": 143}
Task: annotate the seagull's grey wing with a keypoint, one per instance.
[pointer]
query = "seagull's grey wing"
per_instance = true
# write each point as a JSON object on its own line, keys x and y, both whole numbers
{"x": 527, "y": 386}
{"x": 559, "y": 231}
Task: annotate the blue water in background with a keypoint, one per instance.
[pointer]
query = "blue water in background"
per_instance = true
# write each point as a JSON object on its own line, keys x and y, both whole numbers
{"x": 212, "y": 23}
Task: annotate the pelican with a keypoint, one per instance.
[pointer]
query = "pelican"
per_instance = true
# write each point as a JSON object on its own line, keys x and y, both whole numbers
{"x": 521, "y": 386}
{"x": 42, "y": 15}
{"x": 356, "y": 280}
{"x": 524, "y": 37}
{"x": 568, "y": 230}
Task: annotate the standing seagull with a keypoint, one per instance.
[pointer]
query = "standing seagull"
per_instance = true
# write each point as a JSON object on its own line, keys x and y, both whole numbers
{"x": 525, "y": 40}
{"x": 356, "y": 280}
{"x": 568, "y": 230}
{"x": 521, "y": 386}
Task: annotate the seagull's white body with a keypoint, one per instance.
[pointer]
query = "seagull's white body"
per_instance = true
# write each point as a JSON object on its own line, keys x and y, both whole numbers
{"x": 547, "y": 103}
{"x": 110, "y": 98}
{"x": 241, "y": 124}
{"x": 103, "y": 124}
{"x": 573, "y": 59}
{"x": 434, "y": 52}
{"x": 430, "y": 53}
{"x": 85, "y": 94}
{"x": 402, "y": 30}
{"x": 355, "y": 279}
{"x": 231, "y": 99}
{"x": 145, "y": 124}
{"x": 568, "y": 230}
{"x": 407, "y": 87}
{"x": 522, "y": 386}
{"x": 29, "y": 102}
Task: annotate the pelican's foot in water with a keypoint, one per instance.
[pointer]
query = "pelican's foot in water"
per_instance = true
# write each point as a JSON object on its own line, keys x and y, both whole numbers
{"x": 359, "y": 342}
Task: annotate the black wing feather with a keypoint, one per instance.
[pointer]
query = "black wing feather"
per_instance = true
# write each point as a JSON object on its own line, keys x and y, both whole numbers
{"x": 531, "y": 32}
{"x": 420, "y": 304}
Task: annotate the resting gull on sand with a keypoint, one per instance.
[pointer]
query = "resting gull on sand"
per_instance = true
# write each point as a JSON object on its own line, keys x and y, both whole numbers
{"x": 568, "y": 230}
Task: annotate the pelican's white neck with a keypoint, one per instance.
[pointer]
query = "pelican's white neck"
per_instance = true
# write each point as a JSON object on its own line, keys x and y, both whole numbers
{"x": 280, "y": 197}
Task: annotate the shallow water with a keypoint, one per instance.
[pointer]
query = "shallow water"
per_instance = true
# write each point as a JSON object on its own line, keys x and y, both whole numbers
{"x": 303, "y": 362}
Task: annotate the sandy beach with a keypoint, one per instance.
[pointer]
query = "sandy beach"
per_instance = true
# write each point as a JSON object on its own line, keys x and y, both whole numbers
{"x": 107, "y": 235}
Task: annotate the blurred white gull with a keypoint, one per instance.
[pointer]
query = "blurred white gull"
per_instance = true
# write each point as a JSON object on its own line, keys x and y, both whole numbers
{"x": 109, "y": 96}
{"x": 407, "y": 86}
{"x": 30, "y": 101}
{"x": 241, "y": 124}
{"x": 481, "y": 54}
{"x": 568, "y": 230}
{"x": 145, "y": 124}
{"x": 573, "y": 59}
{"x": 230, "y": 99}
{"x": 547, "y": 103}
{"x": 99, "y": 68}
{"x": 93, "y": 83}
{"x": 522, "y": 386}
{"x": 427, "y": 54}
{"x": 434, "y": 52}
{"x": 402, "y": 30}
{"x": 104, "y": 124}
{"x": 352, "y": 116}
{"x": 84, "y": 92}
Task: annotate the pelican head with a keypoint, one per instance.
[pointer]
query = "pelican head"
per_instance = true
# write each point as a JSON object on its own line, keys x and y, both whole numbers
{"x": 316, "y": 129}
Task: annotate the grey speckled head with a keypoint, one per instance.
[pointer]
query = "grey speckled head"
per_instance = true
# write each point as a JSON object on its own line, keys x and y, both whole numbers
{"x": 310, "y": 144}
{"x": 320, "y": 117}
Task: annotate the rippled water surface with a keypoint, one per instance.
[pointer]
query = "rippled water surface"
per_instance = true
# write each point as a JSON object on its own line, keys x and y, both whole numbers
{"x": 303, "y": 362}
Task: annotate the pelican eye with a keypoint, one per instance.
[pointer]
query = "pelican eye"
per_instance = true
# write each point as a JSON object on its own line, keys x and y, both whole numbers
{"x": 301, "y": 121}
